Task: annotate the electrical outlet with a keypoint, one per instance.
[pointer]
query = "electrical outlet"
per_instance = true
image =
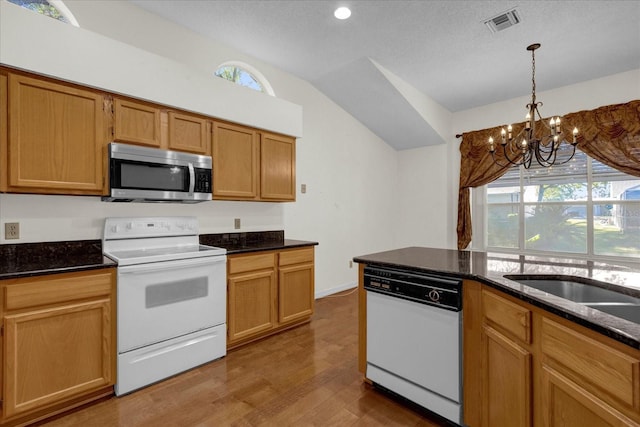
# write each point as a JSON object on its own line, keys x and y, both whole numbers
{"x": 303, "y": 188}
{"x": 11, "y": 230}
{"x": 236, "y": 223}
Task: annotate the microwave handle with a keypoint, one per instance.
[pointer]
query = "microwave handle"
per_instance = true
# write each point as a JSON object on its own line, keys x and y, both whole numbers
{"x": 192, "y": 178}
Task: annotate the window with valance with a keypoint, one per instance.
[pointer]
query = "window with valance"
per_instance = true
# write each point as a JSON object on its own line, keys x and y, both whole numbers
{"x": 609, "y": 136}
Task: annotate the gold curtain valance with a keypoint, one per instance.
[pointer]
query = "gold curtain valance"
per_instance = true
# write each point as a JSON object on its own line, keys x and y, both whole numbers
{"x": 610, "y": 134}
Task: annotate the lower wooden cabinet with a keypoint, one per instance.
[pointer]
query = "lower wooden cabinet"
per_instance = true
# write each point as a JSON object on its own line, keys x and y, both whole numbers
{"x": 524, "y": 366}
{"x": 295, "y": 285}
{"x": 506, "y": 376}
{"x": 268, "y": 292}
{"x": 567, "y": 404}
{"x": 252, "y": 304}
{"x": 59, "y": 342}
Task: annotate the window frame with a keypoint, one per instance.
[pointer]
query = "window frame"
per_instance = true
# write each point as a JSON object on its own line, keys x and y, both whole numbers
{"x": 252, "y": 71}
{"x": 60, "y": 7}
{"x": 480, "y": 221}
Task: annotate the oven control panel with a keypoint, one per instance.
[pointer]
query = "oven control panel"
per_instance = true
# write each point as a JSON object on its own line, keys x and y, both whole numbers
{"x": 131, "y": 228}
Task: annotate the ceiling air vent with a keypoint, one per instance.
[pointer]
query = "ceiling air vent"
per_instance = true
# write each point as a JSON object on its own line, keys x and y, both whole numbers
{"x": 503, "y": 21}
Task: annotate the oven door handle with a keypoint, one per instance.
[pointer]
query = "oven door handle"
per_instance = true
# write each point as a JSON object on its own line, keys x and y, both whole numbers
{"x": 172, "y": 265}
{"x": 192, "y": 179}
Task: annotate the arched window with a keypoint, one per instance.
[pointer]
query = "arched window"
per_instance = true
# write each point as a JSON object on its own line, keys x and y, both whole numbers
{"x": 244, "y": 75}
{"x": 55, "y": 9}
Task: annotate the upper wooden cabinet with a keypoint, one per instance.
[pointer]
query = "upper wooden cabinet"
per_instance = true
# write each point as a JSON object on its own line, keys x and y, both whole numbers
{"x": 277, "y": 167}
{"x": 188, "y": 132}
{"x": 136, "y": 123}
{"x": 235, "y": 162}
{"x": 56, "y": 137}
{"x": 252, "y": 165}
{"x": 140, "y": 123}
{"x": 53, "y": 138}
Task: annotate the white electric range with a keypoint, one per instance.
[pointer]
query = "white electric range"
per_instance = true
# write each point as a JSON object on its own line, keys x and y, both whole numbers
{"x": 171, "y": 298}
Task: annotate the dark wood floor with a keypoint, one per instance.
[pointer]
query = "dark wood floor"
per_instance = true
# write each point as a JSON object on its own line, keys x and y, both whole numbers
{"x": 303, "y": 377}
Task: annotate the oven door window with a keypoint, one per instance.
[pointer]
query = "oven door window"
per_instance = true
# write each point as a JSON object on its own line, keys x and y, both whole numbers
{"x": 128, "y": 174}
{"x": 174, "y": 292}
{"x": 163, "y": 300}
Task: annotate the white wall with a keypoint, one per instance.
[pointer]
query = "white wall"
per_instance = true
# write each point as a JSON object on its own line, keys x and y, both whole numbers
{"x": 350, "y": 173}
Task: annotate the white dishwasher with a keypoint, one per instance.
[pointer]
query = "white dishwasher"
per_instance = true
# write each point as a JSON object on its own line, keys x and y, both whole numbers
{"x": 414, "y": 323}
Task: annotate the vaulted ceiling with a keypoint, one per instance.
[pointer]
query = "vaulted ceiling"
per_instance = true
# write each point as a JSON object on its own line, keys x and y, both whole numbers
{"x": 442, "y": 49}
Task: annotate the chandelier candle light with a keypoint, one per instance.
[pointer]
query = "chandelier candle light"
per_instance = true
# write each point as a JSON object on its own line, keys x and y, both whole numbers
{"x": 527, "y": 144}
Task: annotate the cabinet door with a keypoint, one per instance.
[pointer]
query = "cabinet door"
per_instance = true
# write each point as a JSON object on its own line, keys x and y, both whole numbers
{"x": 235, "y": 162}
{"x": 252, "y": 304}
{"x": 56, "y": 135}
{"x": 188, "y": 133}
{"x": 277, "y": 167}
{"x": 56, "y": 353}
{"x": 565, "y": 404}
{"x": 136, "y": 123}
{"x": 296, "y": 292}
{"x": 506, "y": 369}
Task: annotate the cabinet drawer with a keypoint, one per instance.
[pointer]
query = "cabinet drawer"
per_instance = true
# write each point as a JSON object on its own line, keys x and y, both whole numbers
{"x": 296, "y": 256}
{"x": 592, "y": 362}
{"x": 507, "y": 316}
{"x": 33, "y": 292}
{"x": 251, "y": 263}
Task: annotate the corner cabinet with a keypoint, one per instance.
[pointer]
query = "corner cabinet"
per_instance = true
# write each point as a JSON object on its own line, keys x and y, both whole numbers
{"x": 59, "y": 343}
{"x": 252, "y": 165}
{"x": 524, "y": 366}
{"x": 56, "y": 136}
{"x": 268, "y": 292}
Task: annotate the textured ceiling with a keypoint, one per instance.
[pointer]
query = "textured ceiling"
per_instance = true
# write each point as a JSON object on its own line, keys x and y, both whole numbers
{"x": 441, "y": 48}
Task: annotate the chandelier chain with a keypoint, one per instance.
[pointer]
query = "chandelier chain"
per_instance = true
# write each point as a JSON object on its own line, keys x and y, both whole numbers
{"x": 533, "y": 76}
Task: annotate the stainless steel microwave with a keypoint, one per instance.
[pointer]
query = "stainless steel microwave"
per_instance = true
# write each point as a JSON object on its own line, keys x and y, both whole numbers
{"x": 142, "y": 174}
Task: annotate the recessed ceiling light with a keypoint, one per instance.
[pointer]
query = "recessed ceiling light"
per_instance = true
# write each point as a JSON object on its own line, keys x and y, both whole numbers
{"x": 342, "y": 13}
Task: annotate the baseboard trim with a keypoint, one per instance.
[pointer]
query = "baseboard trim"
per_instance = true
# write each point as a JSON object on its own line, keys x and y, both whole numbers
{"x": 335, "y": 290}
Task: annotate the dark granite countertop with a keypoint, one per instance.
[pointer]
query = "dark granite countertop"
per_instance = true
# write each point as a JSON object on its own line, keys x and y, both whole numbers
{"x": 236, "y": 243}
{"x": 35, "y": 259}
{"x": 489, "y": 268}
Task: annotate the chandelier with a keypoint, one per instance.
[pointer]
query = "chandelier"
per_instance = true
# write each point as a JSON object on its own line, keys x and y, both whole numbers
{"x": 538, "y": 139}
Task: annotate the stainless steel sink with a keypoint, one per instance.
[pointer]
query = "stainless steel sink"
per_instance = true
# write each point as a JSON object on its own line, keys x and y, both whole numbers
{"x": 630, "y": 312}
{"x": 575, "y": 291}
{"x": 606, "y": 300}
